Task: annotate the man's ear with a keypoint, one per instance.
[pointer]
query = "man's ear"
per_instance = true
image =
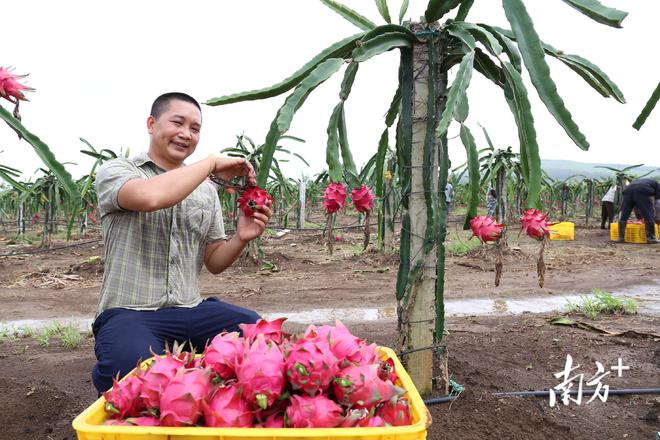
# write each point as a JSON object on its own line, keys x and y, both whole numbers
{"x": 150, "y": 124}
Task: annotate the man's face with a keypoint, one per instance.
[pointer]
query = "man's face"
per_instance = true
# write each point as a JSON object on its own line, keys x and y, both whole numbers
{"x": 175, "y": 134}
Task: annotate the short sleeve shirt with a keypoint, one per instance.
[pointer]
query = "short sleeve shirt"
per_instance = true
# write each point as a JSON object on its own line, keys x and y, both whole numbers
{"x": 153, "y": 259}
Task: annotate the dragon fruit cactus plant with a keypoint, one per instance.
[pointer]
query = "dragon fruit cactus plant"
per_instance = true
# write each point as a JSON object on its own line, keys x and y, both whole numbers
{"x": 253, "y": 197}
{"x": 486, "y": 228}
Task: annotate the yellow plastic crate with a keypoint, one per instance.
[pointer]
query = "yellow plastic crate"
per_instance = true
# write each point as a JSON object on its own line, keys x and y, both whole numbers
{"x": 89, "y": 424}
{"x": 635, "y": 232}
{"x": 562, "y": 231}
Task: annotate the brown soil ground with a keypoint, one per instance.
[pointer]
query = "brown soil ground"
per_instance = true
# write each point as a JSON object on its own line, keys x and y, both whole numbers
{"x": 43, "y": 388}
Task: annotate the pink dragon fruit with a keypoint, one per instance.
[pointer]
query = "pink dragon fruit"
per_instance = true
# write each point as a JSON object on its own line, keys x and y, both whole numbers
{"x": 313, "y": 412}
{"x": 223, "y": 354}
{"x": 344, "y": 345}
{"x": 181, "y": 400}
{"x": 10, "y": 88}
{"x": 359, "y": 386}
{"x": 386, "y": 370}
{"x": 274, "y": 421}
{"x": 253, "y": 197}
{"x": 356, "y": 417}
{"x": 363, "y": 198}
{"x": 535, "y": 224}
{"x": 486, "y": 228}
{"x": 156, "y": 378}
{"x": 123, "y": 399}
{"x": 334, "y": 197}
{"x": 310, "y": 366}
{"x": 262, "y": 373}
{"x": 376, "y": 421}
{"x": 272, "y": 330}
{"x": 144, "y": 421}
{"x": 395, "y": 412}
{"x": 227, "y": 409}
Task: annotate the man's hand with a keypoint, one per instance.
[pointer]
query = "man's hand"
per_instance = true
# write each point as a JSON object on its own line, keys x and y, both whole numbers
{"x": 250, "y": 228}
{"x": 229, "y": 167}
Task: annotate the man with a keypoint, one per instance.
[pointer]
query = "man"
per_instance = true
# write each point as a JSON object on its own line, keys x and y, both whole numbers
{"x": 161, "y": 220}
{"x": 491, "y": 202}
{"x": 607, "y": 207}
{"x": 639, "y": 194}
{"x": 449, "y": 197}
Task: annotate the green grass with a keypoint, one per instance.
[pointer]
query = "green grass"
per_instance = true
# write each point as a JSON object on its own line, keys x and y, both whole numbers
{"x": 68, "y": 335}
{"x": 457, "y": 245}
{"x": 603, "y": 303}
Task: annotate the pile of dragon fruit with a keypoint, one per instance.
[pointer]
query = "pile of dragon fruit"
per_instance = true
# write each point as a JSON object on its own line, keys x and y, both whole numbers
{"x": 326, "y": 377}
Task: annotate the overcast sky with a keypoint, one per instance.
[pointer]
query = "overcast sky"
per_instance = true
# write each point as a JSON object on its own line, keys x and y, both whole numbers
{"x": 97, "y": 66}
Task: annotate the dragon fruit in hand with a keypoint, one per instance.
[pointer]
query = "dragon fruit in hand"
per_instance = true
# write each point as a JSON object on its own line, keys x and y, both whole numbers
{"x": 252, "y": 198}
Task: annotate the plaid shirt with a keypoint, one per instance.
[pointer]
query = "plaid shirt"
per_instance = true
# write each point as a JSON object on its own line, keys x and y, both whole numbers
{"x": 153, "y": 259}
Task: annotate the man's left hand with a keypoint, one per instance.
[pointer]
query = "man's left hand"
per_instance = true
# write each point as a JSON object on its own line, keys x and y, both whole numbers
{"x": 250, "y": 228}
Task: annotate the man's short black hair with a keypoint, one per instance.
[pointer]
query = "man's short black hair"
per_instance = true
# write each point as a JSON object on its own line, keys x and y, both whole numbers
{"x": 161, "y": 104}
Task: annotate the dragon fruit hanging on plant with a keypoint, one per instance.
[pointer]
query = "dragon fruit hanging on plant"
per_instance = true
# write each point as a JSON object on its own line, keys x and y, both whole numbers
{"x": 535, "y": 223}
{"x": 334, "y": 199}
{"x": 487, "y": 229}
{"x": 363, "y": 200}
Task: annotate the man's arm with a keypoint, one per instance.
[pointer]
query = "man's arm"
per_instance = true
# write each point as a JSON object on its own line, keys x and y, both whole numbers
{"x": 220, "y": 255}
{"x": 171, "y": 187}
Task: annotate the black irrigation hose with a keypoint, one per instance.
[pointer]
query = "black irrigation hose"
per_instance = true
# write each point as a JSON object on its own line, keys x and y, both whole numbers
{"x": 546, "y": 393}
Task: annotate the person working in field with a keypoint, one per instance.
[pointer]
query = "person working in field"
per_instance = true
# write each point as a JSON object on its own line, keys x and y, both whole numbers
{"x": 640, "y": 194}
{"x": 161, "y": 221}
{"x": 607, "y": 207}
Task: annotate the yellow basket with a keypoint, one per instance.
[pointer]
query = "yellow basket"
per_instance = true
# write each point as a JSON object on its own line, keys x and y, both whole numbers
{"x": 89, "y": 424}
{"x": 635, "y": 232}
{"x": 562, "y": 231}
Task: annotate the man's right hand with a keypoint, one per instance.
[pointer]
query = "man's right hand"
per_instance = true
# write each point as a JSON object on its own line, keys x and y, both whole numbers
{"x": 229, "y": 167}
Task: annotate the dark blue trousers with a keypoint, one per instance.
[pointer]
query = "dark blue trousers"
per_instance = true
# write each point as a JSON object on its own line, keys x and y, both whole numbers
{"x": 640, "y": 197}
{"x": 124, "y": 337}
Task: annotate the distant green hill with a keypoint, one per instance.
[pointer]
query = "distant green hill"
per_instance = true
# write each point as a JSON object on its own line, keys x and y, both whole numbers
{"x": 562, "y": 169}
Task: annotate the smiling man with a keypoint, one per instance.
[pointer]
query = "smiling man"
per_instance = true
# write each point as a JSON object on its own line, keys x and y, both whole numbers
{"x": 161, "y": 221}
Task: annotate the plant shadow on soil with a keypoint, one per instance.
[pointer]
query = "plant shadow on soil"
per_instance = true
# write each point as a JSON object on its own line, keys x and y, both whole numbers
{"x": 43, "y": 388}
